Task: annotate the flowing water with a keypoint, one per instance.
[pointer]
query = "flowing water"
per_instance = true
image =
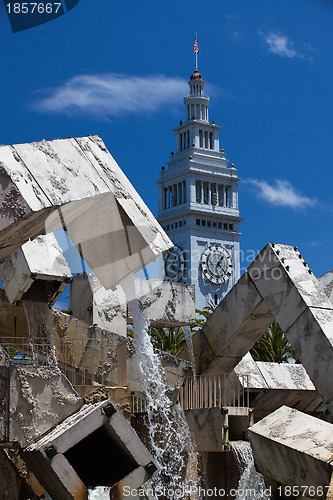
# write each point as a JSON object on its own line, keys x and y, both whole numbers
{"x": 99, "y": 493}
{"x": 41, "y": 339}
{"x": 251, "y": 485}
{"x": 169, "y": 433}
{"x": 189, "y": 343}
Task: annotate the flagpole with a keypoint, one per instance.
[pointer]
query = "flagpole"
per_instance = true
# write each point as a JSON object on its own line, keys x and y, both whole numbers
{"x": 196, "y": 53}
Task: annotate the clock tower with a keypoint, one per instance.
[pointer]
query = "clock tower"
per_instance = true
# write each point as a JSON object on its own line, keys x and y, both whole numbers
{"x": 198, "y": 204}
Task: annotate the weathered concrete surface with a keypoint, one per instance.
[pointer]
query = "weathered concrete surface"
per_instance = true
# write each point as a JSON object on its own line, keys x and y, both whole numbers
{"x": 164, "y": 304}
{"x": 294, "y": 449}
{"x": 326, "y": 281}
{"x": 36, "y": 271}
{"x": 13, "y": 321}
{"x": 72, "y": 184}
{"x": 13, "y": 486}
{"x": 272, "y": 385}
{"x": 206, "y": 425}
{"x": 90, "y": 302}
{"x": 94, "y": 447}
{"x": 278, "y": 285}
{"x": 39, "y": 399}
{"x": 93, "y": 353}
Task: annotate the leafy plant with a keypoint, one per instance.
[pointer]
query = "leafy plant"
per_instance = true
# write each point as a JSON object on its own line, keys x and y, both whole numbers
{"x": 273, "y": 346}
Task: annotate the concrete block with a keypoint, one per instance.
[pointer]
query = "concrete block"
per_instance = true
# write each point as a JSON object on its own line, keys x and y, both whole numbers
{"x": 206, "y": 425}
{"x": 78, "y": 183}
{"x": 272, "y": 385}
{"x": 94, "y": 447}
{"x": 36, "y": 271}
{"x": 312, "y": 339}
{"x": 285, "y": 376}
{"x": 39, "y": 399}
{"x": 282, "y": 279}
{"x": 293, "y": 448}
{"x": 90, "y": 302}
{"x": 248, "y": 368}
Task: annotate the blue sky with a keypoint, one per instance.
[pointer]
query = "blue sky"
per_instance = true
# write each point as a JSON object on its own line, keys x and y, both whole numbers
{"x": 119, "y": 69}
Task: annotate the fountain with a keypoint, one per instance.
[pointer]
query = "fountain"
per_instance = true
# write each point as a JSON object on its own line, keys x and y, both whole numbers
{"x": 73, "y": 384}
{"x": 251, "y": 485}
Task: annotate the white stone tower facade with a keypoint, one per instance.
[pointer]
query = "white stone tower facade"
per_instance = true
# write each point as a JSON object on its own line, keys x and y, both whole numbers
{"x": 198, "y": 204}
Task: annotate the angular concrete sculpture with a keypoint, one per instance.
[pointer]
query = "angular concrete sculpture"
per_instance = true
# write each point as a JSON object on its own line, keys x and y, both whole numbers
{"x": 163, "y": 303}
{"x": 75, "y": 184}
{"x": 36, "y": 271}
{"x": 94, "y": 447}
{"x": 278, "y": 285}
{"x": 272, "y": 385}
{"x": 294, "y": 449}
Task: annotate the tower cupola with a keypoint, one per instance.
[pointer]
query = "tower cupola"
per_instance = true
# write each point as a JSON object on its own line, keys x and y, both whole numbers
{"x": 196, "y": 102}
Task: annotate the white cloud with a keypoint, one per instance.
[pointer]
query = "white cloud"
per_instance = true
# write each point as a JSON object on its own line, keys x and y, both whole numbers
{"x": 280, "y": 44}
{"x": 282, "y": 193}
{"x": 112, "y": 94}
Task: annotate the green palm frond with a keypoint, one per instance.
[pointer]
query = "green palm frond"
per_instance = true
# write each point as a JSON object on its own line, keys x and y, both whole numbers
{"x": 273, "y": 346}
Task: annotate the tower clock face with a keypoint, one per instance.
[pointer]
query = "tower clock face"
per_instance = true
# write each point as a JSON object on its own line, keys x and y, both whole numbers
{"x": 174, "y": 264}
{"x": 216, "y": 264}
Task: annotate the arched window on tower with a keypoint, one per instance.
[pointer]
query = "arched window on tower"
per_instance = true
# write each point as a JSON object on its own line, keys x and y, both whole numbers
{"x": 220, "y": 193}
{"x": 213, "y": 194}
{"x": 227, "y": 196}
{"x": 210, "y": 140}
{"x": 184, "y": 192}
{"x": 206, "y": 139}
{"x": 180, "y": 193}
{"x": 174, "y": 195}
{"x": 200, "y": 139}
{"x": 198, "y": 191}
{"x": 170, "y": 196}
{"x": 165, "y": 198}
{"x": 205, "y": 192}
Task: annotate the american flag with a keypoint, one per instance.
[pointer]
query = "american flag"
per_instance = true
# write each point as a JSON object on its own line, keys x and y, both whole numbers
{"x": 196, "y": 47}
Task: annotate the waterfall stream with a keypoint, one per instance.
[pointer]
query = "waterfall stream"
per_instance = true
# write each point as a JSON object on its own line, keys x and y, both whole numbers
{"x": 169, "y": 433}
{"x": 41, "y": 339}
{"x": 189, "y": 343}
{"x": 251, "y": 485}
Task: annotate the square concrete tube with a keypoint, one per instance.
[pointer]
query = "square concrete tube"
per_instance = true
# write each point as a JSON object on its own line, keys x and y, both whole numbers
{"x": 36, "y": 271}
{"x": 272, "y": 385}
{"x": 294, "y": 449}
{"x": 94, "y": 447}
{"x": 277, "y": 285}
{"x": 75, "y": 184}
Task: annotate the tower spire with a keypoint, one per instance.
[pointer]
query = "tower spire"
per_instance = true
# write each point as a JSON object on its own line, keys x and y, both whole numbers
{"x": 196, "y": 49}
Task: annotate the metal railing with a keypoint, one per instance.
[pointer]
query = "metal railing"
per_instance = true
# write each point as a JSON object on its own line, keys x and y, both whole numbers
{"x": 82, "y": 361}
{"x": 209, "y": 391}
{"x": 138, "y": 404}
